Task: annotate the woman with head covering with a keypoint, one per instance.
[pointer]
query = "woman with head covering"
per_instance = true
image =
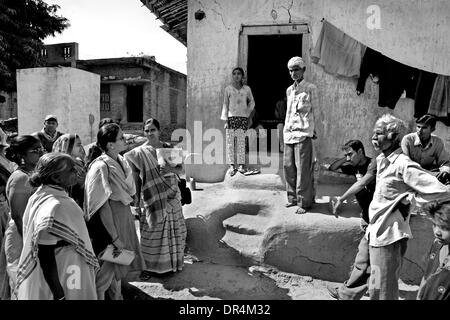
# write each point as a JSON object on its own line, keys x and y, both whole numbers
{"x": 109, "y": 191}
{"x": 71, "y": 145}
{"x": 25, "y": 151}
{"x": 238, "y": 104}
{"x": 6, "y": 168}
{"x": 57, "y": 261}
{"x": 163, "y": 229}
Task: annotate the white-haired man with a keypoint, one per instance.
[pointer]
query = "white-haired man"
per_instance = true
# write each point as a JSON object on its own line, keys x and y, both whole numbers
{"x": 302, "y": 99}
{"x": 398, "y": 180}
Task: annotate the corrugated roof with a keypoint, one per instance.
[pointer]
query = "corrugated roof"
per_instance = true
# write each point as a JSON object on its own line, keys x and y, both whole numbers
{"x": 173, "y": 14}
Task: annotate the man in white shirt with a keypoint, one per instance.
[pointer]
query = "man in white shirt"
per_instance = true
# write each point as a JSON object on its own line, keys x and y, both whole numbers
{"x": 302, "y": 99}
{"x": 398, "y": 180}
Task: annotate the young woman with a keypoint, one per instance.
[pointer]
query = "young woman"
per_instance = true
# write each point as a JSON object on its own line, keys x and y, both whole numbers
{"x": 71, "y": 145}
{"x": 54, "y": 228}
{"x": 25, "y": 151}
{"x": 163, "y": 229}
{"x": 238, "y": 104}
{"x": 109, "y": 191}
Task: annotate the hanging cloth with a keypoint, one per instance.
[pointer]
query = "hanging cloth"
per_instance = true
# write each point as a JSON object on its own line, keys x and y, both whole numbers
{"x": 440, "y": 97}
{"x": 338, "y": 53}
{"x": 394, "y": 78}
{"x": 424, "y": 89}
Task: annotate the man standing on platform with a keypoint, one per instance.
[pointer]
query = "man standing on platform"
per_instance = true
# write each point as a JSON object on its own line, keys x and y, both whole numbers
{"x": 302, "y": 99}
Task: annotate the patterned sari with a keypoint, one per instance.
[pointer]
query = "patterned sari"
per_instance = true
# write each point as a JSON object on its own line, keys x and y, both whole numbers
{"x": 163, "y": 229}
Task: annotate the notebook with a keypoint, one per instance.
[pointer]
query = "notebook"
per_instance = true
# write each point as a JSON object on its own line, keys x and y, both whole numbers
{"x": 124, "y": 258}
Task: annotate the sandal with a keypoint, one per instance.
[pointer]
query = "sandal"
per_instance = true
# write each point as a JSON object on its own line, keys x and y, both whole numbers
{"x": 290, "y": 204}
{"x": 252, "y": 172}
{"x": 242, "y": 170}
{"x": 232, "y": 172}
{"x": 145, "y": 275}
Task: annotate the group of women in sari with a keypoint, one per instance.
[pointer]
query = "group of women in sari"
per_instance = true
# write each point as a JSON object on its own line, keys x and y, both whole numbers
{"x": 64, "y": 209}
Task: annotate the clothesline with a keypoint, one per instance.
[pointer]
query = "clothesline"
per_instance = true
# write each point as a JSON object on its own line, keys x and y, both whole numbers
{"x": 340, "y": 54}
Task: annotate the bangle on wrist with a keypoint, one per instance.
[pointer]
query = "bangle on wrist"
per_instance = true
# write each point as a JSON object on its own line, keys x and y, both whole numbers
{"x": 63, "y": 298}
{"x": 115, "y": 239}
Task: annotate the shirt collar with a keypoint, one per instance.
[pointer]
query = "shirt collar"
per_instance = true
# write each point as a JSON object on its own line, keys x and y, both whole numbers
{"x": 392, "y": 157}
{"x": 299, "y": 84}
{"x": 418, "y": 143}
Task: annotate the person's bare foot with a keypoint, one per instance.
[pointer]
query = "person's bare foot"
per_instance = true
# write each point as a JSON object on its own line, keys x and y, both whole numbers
{"x": 300, "y": 210}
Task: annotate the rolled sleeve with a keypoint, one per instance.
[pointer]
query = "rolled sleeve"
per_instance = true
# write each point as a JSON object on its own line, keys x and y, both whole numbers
{"x": 426, "y": 186}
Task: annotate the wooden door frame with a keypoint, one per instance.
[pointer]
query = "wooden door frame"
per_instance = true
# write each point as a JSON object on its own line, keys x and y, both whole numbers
{"x": 301, "y": 28}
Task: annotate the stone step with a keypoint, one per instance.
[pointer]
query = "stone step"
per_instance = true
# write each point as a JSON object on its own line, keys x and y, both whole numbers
{"x": 247, "y": 246}
{"x": 260, "y": 181}
{"x": 246, "y": 224}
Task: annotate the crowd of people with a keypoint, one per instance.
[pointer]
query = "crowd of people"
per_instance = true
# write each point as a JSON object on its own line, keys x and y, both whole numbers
{"x": 410, "y": 176}
{"x": 61, "y": 209}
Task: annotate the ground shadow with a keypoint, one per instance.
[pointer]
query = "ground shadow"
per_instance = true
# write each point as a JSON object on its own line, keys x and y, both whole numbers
{"x": 206, "y": 279}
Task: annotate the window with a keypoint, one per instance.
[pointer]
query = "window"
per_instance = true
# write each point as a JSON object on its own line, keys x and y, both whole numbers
{"x": 44, "y": 53}
{"x": 67, "y": 52}
{"x": 104, "y": 98}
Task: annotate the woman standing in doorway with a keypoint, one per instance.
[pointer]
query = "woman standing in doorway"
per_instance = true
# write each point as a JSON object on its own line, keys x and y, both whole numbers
{"x": 238, "y": 104}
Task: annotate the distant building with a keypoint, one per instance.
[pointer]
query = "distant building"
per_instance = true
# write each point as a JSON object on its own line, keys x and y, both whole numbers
{"x": 60, "y": 54}
{"x": 136, "y": 88}
{"x": 132, "y": 88}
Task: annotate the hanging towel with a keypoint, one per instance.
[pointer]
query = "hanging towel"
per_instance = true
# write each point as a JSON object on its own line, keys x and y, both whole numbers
{"x": 424, "y": 89}
{"x": 337, "y": 52}
{"x": 440, "y": 98}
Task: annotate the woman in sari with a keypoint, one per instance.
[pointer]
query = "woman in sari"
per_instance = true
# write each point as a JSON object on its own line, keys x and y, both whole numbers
{"x": 71, "y": 145}
{"x": 6, "y": 168}
{"x": 109, "y": 191}
{"x": 25, "y": 151}
{"x": 163, "y": 229}
{"x": 57, "y": 260}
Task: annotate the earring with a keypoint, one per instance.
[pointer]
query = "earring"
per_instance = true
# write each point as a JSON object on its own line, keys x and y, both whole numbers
{"x": 22, "y": 161}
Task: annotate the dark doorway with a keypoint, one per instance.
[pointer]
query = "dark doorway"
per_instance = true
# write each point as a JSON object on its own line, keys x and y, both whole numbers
{"x": 135, "y": 103}
{"x": 268, "y": 76}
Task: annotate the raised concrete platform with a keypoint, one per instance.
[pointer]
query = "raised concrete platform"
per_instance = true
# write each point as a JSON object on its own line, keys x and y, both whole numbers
{"x": 247, "y": 215}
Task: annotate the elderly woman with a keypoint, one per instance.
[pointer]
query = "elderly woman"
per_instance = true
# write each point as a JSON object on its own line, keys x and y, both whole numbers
{"x": 71, "y": 145}
{"x": 57, "y": 261}
{"x": 25, "y": 151}
{"x": 109, "y": 190}
{"x": 163, "y": 229}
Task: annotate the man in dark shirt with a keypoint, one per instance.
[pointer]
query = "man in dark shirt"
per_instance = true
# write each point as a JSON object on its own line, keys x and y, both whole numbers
{"x": 355, "y": 162}
{"x": 364, "y": 168}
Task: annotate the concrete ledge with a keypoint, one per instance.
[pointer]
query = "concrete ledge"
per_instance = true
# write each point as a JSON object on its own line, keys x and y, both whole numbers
{"x": 257, "y": 228}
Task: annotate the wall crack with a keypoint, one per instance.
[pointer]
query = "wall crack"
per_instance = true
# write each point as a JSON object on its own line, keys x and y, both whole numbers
{"x": 288, "y": 9}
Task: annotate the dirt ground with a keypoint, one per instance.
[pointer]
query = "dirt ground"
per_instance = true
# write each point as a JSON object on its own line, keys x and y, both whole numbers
{"x": 209, "y": 280}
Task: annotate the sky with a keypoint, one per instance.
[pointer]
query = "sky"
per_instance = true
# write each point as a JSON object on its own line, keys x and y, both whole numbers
{"x": 117, "y": 28}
